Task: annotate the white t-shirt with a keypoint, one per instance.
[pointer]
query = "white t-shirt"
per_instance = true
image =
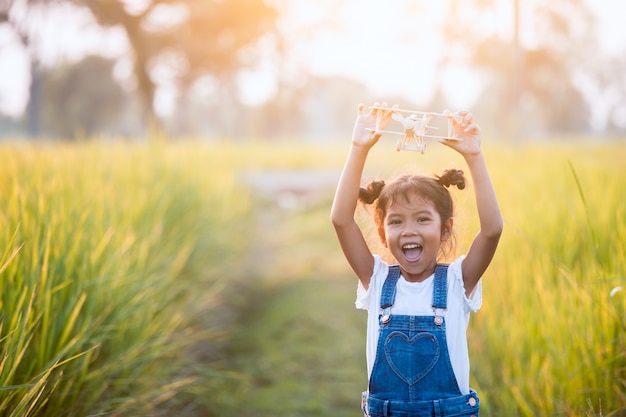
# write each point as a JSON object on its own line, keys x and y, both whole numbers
{"x": 415, "y": 299}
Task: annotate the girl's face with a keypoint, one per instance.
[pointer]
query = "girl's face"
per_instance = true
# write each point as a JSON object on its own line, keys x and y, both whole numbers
{"x": 413, "y": 232}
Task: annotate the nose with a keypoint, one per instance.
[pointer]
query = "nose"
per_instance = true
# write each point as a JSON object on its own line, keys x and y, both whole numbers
{"x": 409, "y": 229}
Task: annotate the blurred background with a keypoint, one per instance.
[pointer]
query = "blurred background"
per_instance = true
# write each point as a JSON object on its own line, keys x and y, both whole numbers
{"x": 275, "y": 69}
{"x": 145, "y": 275}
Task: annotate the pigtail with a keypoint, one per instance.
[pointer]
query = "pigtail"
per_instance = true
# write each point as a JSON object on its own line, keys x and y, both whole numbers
{"x": 451, "y": 177}
{"x": 371, "y": 192}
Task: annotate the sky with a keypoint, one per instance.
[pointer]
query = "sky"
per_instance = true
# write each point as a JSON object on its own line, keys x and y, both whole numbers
{"x": 392, "y": 51}
{"x": 393, "y": 46}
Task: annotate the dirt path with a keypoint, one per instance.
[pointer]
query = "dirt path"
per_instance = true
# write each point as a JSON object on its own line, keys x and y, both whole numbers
{"x": 287, "y": 340}
{"x": 299, "y": 342}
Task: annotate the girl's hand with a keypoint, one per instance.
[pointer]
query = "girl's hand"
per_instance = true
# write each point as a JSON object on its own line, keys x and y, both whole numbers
{"x": 368, "y": 126}
{"x": 466, "y": 130}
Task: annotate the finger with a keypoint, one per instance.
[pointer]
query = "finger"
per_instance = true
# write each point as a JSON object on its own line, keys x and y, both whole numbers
{"x": 374, "y": 108}
{"x": 383, "y": 111}
{"x": 467, "y": 118}
{"x": 447, "y": 142}
{"x": 381, "y": 116}
{"x": 457, "y": 117}
{"x": 388, "y": 112}
{"x": 472, "y": 128}
{"x": 361, "y": 108}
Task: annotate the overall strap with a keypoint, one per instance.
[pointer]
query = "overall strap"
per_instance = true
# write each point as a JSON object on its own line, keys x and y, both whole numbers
{"x": 388, "y": 294}
{"x": 440, "y": 287}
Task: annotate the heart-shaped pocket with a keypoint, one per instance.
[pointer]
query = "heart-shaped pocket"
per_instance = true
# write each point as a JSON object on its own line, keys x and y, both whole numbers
{"x": 412, "y": 359}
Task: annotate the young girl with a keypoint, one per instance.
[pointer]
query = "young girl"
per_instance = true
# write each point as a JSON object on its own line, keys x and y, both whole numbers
{"x": 418, "y": 310}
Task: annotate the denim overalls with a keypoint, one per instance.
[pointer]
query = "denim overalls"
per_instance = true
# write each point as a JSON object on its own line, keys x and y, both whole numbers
{"x": 412, "y": 374}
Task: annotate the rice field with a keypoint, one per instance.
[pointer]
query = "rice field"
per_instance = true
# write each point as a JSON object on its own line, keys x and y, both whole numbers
{"x": 130, "y": 272}
{"x": 105, "y": 248}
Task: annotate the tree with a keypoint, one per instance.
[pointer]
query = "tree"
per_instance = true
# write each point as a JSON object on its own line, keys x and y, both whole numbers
{"x": 83, "y": 99}
{"x": 191, "y": 37}
{"x": 530, "y": 79}
{"x": 205, "y": 37}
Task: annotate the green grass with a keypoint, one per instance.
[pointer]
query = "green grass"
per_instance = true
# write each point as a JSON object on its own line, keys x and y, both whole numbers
{"x": 549, "y": 340}
{"x": 101, "y": 254}
{"x": 298, "y": 343}
{"x": 549, "y": 315}
{"x": 142, "y": 279}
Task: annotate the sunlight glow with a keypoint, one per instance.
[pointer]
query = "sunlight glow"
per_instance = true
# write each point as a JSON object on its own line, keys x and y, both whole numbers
{"x": 392, "y": 48}
{"x": 14, "y": 77}
{"x": 390, "y": 51}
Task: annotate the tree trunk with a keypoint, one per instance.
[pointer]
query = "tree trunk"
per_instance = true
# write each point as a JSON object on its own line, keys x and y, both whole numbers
{"x": 33, "y": 114}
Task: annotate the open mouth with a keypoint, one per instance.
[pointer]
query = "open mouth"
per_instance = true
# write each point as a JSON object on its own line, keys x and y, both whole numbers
{"x": 412, "y": 251}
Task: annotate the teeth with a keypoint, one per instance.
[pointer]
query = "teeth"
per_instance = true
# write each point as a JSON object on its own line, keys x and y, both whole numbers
{"x": 411, "y": 246}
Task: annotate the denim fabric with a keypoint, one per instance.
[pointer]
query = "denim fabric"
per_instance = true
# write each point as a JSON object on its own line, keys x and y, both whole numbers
{"x": 451, "y": 407}
{"x": 412, "y": 374}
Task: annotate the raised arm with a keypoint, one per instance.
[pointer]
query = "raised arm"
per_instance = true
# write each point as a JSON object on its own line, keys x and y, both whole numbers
{"x": 350, "y": 237}
{"x": 484, "y": 244}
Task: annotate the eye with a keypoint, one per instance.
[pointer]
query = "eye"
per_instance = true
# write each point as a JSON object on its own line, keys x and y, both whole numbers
{"x": 394, "y": 221}
{"x": 423, "y": 219}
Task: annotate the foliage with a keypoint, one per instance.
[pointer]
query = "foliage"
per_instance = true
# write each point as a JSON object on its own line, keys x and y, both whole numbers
{"x": 550, "y": 338}
{"x": 204, "y": 40}
{"x": 101, "y": 245}
{"x": 197, "y": 37}
{"x": 533, "y": 74}
{"x": 558, "y": 337}
{"x": 111, "y": 258}
{"x": 82, "y": 100}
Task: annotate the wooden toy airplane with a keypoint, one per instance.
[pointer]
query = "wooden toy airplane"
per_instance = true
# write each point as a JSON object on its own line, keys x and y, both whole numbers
{"x": 416, "y": 128}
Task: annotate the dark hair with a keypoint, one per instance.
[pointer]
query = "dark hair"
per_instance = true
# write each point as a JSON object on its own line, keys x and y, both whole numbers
{"x": 433, "y": 189}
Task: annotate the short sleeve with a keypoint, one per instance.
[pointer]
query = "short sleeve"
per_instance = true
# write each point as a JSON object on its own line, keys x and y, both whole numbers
{"x": 363, "y": 296}
{"x": 475, "y": 300}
